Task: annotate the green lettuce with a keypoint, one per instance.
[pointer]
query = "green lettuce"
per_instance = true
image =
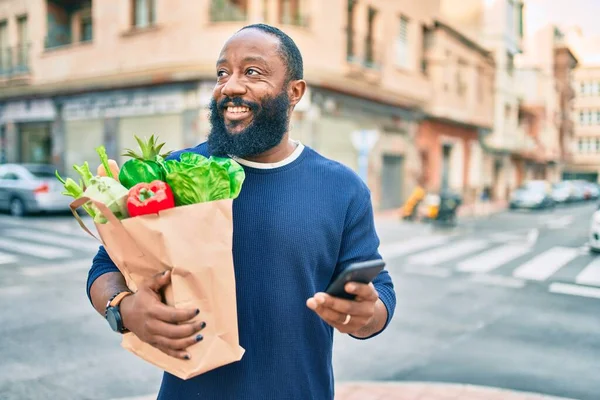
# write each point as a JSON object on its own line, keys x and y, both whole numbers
{"x": 197, "y": 179}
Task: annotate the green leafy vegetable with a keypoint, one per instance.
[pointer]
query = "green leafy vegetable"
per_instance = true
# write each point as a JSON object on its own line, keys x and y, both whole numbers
{"x": 84, "y": 171}
{"x": 196, "y": 179}
{"x": 235, "y": 172}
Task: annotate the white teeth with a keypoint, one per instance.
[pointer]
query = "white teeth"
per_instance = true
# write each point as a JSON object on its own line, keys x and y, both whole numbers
{"x": 238, "y": 109}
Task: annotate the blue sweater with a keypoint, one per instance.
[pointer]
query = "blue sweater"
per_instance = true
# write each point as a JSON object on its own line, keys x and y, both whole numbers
{"x": 296, "y": 227}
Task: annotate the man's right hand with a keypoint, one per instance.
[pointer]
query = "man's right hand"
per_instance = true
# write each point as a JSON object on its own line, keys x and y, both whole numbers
{"x": 167, "y": 328}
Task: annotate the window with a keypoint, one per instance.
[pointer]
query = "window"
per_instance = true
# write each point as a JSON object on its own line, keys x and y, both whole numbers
{"x": 144, "y": 13}
{"x": 598, "y": 117}
{"x": 370, "y": 39}
{"x": 597, "y": 145}
{"x": 293, "y": 12}
{"x": 402, "y": 51}
{"x": 85, "y": 20}
{"x": 510, "y": 17}
{"x": 461, "y": 87}
{"x": 581, "y": 118}
{"x": 510, "y": 64}
{"x": 22, "y": 59}
{"x": 68, "y": 22}
{"x": 350, "y": 29}
{"x": 580, "y": 145}
{"x": 229, "y": 10}
{"x": 4, "y": 51}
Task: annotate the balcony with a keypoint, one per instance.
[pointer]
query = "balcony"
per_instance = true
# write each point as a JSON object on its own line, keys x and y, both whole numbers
{"x": 14, "y": 61}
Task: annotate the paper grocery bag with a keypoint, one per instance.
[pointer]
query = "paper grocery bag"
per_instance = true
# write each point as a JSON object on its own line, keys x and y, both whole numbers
{"x": 195, "y": 243}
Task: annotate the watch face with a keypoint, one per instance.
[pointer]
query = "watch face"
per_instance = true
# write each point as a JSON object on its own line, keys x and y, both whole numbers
{"x": 113, "y": 318}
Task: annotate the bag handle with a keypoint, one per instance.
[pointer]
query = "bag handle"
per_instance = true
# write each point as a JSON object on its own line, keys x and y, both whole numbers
{"x": 106, "y": 212}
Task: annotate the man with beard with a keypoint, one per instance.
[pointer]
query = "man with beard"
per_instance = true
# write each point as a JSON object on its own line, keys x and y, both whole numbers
{"x": 299, "y": 221}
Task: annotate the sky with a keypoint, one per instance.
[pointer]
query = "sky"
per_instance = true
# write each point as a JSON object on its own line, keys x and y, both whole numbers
{"x": 568, "y": 13}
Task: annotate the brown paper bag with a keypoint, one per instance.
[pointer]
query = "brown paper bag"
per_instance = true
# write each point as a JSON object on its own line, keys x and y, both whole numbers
{"x": 195, "y": 243}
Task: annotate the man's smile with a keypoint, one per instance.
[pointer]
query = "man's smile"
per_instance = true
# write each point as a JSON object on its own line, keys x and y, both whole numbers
{"x": 236, "y": 113}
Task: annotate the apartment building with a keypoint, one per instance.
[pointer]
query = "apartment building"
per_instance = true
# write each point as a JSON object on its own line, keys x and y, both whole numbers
{"x": 462, "y": 75}
{"x": 498, "y": 24}
{"x": 101, "y": 71}
{"x": 545, "y": 82}
{"x": 585, "y": 163}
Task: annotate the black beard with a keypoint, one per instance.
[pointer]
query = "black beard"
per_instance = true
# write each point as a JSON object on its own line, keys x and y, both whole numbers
{"x": 269, "y": 125}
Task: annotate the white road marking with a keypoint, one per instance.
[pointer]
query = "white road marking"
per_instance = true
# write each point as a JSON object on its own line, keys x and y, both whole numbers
{"x": 34, "y": 250}
{"x": 41, "y": 270}
{"x": 7, "y": 258}
{"x": 559, "y": 223}
{"x": 497, "y": 280}
{"x": 448, "y": 252}
{"x": 545, "y": 264}
{"x": 78, "y": 243}
{"x": 427, "y": 271}
{"x": 404, "y": 247}
{"x": 575, "y": 290}
{"x": 492, "y": 259}
{"x": 532, "y": 237}
{"x": 591, "y": 274}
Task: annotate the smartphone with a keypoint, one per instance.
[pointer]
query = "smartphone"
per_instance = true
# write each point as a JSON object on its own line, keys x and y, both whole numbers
{"x": 361, "y": 272}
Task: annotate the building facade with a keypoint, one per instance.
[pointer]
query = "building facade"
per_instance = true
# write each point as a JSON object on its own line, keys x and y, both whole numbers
{"x": 101, "y": 71}
{"x": 585, "y": 163}
{"x": 499, "y": 24}
{"x": 545, "y": 80}
{"x": 462, "y": 75}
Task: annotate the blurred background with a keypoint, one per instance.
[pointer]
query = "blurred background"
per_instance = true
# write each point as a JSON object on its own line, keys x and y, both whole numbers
{"x": 475, "y": 123}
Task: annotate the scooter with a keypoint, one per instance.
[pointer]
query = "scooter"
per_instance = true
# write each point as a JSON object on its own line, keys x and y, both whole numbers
{"x": 440, "y": 208}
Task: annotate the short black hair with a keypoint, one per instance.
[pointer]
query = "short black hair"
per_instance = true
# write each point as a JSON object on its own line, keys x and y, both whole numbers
{"x": 288, "y": 49}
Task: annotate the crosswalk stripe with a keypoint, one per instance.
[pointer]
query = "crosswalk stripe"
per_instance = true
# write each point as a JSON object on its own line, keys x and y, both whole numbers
{"x": 448, "y": 252}
{"x": 492, "y": 259}
{"x": 575, "y": 290}
{"x": 7, "y": 258}
{"x": 545, "y": 264}
{"x": 404, "y": 247}
{"x": 35, "y": 250}
{"x": 591, "y": 274}
{"x": 77, "y": 243}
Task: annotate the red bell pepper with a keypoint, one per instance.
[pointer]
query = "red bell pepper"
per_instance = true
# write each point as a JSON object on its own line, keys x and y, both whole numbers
{"x": 149, "y": 198}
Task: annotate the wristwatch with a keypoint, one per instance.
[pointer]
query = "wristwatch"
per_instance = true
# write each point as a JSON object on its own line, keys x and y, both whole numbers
{"x": 113, "y": 312}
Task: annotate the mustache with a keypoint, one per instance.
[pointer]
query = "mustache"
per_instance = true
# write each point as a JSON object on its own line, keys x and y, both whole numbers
{"x": 238, "y": 102}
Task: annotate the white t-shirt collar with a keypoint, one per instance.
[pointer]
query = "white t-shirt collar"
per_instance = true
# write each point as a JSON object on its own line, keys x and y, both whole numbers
{"x": 289, "y": 159}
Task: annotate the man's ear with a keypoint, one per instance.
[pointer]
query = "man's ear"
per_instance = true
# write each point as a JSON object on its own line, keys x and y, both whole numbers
{"x": 296, "y": 90}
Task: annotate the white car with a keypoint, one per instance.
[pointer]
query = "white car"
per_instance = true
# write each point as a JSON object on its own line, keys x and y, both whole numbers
{"x": 595, "y": 232}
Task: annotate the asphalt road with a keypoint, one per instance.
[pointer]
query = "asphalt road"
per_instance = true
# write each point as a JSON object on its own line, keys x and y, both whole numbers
{"x": 484, "y": 303}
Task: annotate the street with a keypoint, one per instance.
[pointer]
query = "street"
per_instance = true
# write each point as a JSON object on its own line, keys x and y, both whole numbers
{"x": 509, "y": 301}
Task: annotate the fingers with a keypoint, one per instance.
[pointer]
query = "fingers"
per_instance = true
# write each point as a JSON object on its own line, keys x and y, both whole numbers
{"x": 170, "y": 331}
{"x": 363, "y": 292}
{"x": 176, "y": 347}
{"x": 172, "y": 315}
{"x": 159, "y": 280}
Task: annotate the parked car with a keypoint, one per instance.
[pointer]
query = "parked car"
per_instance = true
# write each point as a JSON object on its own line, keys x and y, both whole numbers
{"x": 594, "y": 234}
{"x": 535, "y": 194}
{"x": 31, "y": 188}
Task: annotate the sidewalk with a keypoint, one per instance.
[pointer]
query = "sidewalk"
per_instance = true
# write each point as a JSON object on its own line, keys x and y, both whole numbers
{"x": 418, "y": 391}
{"x": 428, "y": 391}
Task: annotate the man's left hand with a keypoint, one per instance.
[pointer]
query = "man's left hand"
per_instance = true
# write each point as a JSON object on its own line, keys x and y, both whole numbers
{"x": 347, "y": 316}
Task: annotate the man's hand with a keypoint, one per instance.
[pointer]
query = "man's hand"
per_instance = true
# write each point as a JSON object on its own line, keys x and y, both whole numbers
{"x": 335, "y": 311}
{"x": 167, "y": 328}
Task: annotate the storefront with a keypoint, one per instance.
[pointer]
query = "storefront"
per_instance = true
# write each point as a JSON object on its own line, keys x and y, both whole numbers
{"x": 26, "y": 131}
{"x": 112, "y": 118}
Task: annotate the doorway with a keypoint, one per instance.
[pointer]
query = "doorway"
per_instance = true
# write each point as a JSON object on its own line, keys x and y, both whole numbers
{"x": 35, "y": 143}
{"x": 446, "y": 156}
{"x": 392, "y": 181}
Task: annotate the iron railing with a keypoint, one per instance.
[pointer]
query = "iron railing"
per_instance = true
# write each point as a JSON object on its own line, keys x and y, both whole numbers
{"x": 14, "y": 60}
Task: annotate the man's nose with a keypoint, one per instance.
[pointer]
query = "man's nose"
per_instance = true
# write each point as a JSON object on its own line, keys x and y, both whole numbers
{"x": 233, "y": 87}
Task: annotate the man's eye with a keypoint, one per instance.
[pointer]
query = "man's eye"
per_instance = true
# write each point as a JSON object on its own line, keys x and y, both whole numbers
{"x": 252, "y": 71}
{"x": 220, "y": 74}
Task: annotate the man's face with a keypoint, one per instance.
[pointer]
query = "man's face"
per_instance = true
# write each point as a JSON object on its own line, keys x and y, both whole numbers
{"x": 249, "y": 112}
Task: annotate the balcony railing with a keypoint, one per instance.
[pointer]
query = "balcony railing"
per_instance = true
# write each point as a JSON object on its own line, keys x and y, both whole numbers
{"x": 14, "y": 60}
